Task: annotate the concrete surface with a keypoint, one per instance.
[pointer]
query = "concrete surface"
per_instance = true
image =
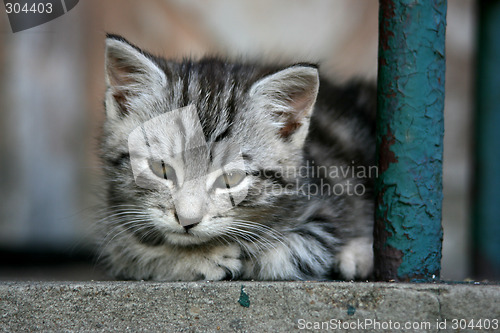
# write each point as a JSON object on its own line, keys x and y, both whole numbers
{"x": 259, "y": 307}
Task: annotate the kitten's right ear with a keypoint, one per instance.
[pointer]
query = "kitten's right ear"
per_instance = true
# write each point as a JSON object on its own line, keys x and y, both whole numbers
{"x": 132, "y": 76}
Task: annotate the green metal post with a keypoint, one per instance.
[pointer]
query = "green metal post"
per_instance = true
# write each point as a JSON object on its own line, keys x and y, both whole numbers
{"x": 486, "y": 228}
{"x": 410, "y": 129}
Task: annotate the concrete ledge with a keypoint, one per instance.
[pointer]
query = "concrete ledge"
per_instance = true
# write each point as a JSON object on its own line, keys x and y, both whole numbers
{"x": 259, "y": 307}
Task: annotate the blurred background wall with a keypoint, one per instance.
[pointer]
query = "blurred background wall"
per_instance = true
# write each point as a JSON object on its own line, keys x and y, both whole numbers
{"x": 52, "y": 86}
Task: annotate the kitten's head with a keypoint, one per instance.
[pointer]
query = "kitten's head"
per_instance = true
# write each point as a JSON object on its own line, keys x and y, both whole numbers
{"x": 186, "y": 143}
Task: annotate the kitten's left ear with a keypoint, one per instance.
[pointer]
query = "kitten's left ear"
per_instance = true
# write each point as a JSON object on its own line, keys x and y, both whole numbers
{"x": 288, "y": 96}
{"x": 131, "y": 74}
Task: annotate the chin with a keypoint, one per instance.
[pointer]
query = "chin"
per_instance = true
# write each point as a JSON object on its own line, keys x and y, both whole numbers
{"x": 187, "y": 238}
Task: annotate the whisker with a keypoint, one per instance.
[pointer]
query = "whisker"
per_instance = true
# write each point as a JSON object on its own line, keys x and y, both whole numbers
{"x": 135, "y": 224}
{"x": 264, "y": 229}
{"x": 245, "y": 247}
{"x": 260, "y": 242}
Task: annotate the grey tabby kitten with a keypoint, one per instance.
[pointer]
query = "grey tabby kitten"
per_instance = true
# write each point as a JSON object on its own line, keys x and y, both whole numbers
{"x": 223, "y": 170}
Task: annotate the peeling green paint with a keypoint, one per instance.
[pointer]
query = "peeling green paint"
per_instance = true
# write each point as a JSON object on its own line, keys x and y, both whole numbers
{"x": 244, "y": 299}
{"x": 410, "y": 128}
{"x": 351, "y": 310}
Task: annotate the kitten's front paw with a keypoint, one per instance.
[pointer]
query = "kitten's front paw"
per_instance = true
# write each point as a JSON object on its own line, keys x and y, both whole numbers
{"x": 220, "y": 263}
{"x": 356, "y": 259}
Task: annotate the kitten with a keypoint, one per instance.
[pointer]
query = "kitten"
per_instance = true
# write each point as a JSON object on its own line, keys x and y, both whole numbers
{"x": 222, "y": 170}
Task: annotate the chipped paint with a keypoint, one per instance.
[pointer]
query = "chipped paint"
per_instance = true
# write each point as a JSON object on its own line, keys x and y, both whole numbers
{"x": 244, "y": 299}
{"x": 410, "y": 130}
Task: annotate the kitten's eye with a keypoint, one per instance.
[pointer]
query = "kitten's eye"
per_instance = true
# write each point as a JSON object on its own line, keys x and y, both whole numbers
{"x": 229, "y": 179}
{"x": 163, "y": 170}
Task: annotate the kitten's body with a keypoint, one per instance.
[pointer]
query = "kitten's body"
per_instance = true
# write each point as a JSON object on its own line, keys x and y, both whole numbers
{"x": 282, "y": 227}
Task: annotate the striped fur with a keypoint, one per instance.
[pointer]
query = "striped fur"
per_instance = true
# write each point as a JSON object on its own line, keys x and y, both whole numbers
{"x": 283, "y": 129}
